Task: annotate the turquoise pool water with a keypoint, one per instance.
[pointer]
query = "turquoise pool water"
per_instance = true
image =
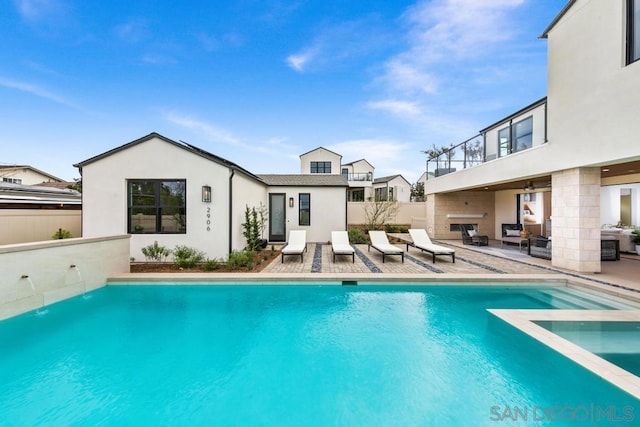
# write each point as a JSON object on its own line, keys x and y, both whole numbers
{"x": 295, "y": 355}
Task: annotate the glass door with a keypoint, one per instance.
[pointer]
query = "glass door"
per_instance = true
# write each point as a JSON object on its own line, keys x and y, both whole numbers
{"x": 277, "y": 217}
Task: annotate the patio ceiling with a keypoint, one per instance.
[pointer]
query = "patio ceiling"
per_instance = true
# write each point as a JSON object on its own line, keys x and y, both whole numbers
{"x": 544, "y": 181}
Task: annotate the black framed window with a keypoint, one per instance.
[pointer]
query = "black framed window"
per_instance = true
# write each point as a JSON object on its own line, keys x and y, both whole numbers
{"x": 320, "y": 167}
{"x": 157, "y": 206}
{"x": 516, "y": 137}
{"x": 633, "y": 30}
{"x": 304, "y": 213}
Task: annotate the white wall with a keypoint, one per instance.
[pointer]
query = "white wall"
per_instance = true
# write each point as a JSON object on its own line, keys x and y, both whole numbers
{"x": 610, "y": 204}
{"x": 320, "y": 155}
{"x": 408, "y": 213}
{"x": 33, "y": 225}
{"x": 105, "y": 196}
{"x": 28, "y": 176}
{"x": 51, "y": 277}
{"x": 246, "y": 192}
{"x": 328, "y": 211}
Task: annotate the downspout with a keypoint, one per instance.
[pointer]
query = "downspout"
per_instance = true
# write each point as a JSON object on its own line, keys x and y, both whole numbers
{"x": 233, "y": 172}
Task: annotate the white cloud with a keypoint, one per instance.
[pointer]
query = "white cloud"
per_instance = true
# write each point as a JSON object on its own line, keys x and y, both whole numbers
{"x": 403, "y": 109}
{"x": 133, "y": 31}
{"x": 212, "y": 132}
{"x": 32, "y": 10}
{"x": 36, "y": 90}
{"x": 299, "y": 61}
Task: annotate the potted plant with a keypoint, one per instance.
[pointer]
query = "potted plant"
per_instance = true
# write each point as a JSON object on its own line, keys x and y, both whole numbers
{"x": 635, "y": 238}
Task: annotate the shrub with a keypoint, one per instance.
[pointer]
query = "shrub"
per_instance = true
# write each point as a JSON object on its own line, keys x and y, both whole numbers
{"x": 187, "y": 257}
{"x": 61, "y": 234}
{"x": 357, "y": 237}
{"x": 155, "y": 252}
{"x": 210, "y": 265}
{"x": 239, "y": 259}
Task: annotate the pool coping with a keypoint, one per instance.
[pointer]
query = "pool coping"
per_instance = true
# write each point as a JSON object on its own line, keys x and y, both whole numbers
{"x": 524, "y": 321}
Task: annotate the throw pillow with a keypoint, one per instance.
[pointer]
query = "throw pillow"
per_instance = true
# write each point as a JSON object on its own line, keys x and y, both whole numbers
{"x": 513, "y": 233}
{"x": 473, "y": 233}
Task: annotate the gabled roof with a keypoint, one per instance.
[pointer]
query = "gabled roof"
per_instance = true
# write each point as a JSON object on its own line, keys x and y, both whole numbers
{"x": 356, "y": 161}
{"x": 18, "y": 167}
{"x": 384, "y": 179}
{"x": 180, "y": 144}
{"x": 558, "y": 17}
{"x": 307, "y": 180}
{"x": 320, "y": 148}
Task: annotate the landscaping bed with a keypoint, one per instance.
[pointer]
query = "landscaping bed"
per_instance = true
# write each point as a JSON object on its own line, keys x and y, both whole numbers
{"x": 260, "y": 261}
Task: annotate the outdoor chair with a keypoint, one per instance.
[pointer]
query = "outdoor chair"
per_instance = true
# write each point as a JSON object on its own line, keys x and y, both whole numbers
{"x": 380, "y": 242}
{"x": 470, "y": 236}
{"x": 422, "y": 241}
{"x": 340, "y": 245}
{"x": 296, "y": 245}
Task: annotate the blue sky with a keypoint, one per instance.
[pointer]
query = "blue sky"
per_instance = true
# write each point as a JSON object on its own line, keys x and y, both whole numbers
{"x": 261, "y": 82}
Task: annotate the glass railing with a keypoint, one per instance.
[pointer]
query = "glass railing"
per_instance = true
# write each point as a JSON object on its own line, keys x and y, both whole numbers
{"x": 358, "y": 176}
{"x": 445, "y": 160}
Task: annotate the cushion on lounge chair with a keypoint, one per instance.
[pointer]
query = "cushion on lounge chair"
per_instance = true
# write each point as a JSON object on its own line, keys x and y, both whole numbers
{"x": 380, "y": 242}
{"x": 422, "y": 241}
{"x": 340, "y": 245}
{"x": 297, "y": 244}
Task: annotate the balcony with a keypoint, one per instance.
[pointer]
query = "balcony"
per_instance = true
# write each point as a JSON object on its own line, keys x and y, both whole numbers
{"x": 359, "y": 179}
{"x": 450, "y": 159}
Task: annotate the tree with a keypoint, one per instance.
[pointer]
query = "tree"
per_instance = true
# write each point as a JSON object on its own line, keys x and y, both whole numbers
{"x": 417, "y": 192}
{"x": 377, "y": 213}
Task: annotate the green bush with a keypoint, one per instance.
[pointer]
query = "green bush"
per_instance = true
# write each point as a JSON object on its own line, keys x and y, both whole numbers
{"x": 240, "y": 259}
{"x": 403, "y": 230}
{"x": 210, "y": 265}
{"x": 155, "y": 252}
{"x": 187, "y": 257}
{"x": 61, "y": 234}
{"x": 357, "y": 237}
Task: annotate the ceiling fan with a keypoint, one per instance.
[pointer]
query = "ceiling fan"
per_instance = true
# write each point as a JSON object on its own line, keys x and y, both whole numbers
{"x": 531, "y": 185}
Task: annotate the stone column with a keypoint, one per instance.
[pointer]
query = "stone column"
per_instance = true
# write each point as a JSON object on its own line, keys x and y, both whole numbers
{"x": 575, "y": 219}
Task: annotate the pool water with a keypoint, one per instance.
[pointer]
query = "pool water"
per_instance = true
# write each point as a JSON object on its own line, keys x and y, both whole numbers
{"x": 293, "y": 355}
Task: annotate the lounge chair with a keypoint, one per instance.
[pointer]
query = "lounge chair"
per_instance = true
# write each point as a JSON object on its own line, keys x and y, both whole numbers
{"x": 422, "y": 241}
{"x": 470, "y": 236}
{"x": 380, "y": 243}
{"x": 340, "y": 245}
{"x": 296, "y": 245}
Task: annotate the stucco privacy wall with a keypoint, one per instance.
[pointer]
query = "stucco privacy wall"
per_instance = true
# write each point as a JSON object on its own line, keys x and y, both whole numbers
{"x": 51, "y": 277}
{"x": 407, "y": 212}
{"x": 33, "y": 225}
{"x": 105, "y": 192}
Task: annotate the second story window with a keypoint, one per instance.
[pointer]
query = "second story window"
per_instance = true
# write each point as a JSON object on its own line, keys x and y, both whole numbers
{"x": 633, "y": 30}
{"x": 12, "y": 180}
{"x": 517, "y": 137}
{"x": 320, "y": 167}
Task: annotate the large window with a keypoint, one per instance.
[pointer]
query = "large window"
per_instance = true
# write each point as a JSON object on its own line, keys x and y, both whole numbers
{"x": 304, "y": 214}
{"x": 517, "y": 137}
{"x": 383, "y": 194}
{"x": 633, "y": 30}
{"x": 356, "y": 196}
{"x": 320, "y": 167}
{"x": 157, "y": 206}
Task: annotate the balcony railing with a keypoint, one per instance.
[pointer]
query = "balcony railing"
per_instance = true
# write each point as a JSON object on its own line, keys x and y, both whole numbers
{"x": 358, "y": 176}
{"x": 461, "y": 156}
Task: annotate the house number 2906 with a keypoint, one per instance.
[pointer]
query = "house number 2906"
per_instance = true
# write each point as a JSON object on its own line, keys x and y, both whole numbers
{"x": 208, "y": 219}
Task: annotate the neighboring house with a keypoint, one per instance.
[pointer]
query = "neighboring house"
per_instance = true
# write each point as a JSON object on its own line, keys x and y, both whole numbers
{"x": 320, "y": 161}
{"x": 30, "y": 213}
{"x": 359, "y": 175}
{"x": 199, "y": 199}
{"x": 394, "y": 187}
{"x": 25, "y": 175}
{"x": 560, "y": 155}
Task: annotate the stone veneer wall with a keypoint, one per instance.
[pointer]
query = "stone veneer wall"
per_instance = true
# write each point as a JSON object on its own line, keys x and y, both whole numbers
{"x": 33, "y": 275}
{"x": 576, "y": 219}
{"x": 463, "y": 202}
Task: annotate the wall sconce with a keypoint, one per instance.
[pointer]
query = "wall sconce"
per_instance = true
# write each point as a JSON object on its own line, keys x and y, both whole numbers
{"x": 290, "y": 202}
{"x": 206, "y": 194}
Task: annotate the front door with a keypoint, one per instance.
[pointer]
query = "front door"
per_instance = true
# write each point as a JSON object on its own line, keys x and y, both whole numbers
{"x": 277, "y": 217}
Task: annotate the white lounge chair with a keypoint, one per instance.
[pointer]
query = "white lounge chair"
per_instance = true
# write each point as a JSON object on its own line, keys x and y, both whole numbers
{"x": 296, "y": 245}
{"x": 422, "y": 241}
{"x": 380, "y": 242}
{"x": 340, "y": 245}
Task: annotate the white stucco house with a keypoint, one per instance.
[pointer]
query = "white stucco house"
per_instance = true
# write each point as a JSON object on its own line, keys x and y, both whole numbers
{"x": 573, "y": 152}
{"x": 199, "y": 199}
{"x": 359, "y": 175}
{"x": 26, "y": 175}
{"x": 394, "y": 187}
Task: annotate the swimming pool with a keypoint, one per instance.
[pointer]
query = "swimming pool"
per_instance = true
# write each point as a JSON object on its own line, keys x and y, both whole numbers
{"x": 294, "y": 355}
